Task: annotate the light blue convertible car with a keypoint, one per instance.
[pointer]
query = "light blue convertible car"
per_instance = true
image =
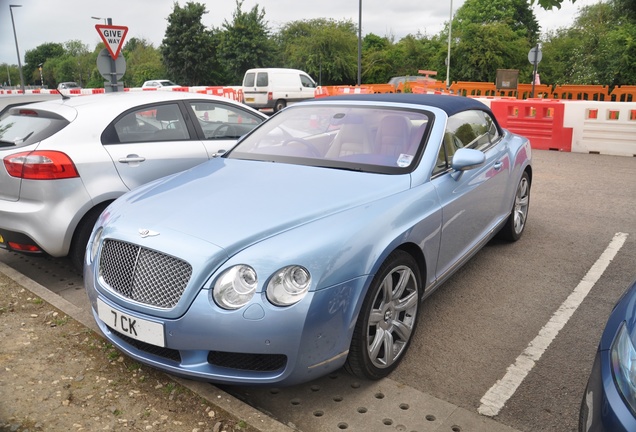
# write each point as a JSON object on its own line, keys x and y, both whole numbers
{"x": 310, "y": 245}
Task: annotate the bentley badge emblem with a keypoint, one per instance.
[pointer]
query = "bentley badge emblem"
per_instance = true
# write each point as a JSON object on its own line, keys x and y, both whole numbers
{"x": 147, "y": 233}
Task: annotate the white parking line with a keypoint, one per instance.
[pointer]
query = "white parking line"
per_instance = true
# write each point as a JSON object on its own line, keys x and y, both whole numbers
{"x": 495, "y": 398}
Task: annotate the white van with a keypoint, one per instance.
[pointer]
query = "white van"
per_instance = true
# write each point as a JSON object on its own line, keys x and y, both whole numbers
{"x": 275, "y": 88}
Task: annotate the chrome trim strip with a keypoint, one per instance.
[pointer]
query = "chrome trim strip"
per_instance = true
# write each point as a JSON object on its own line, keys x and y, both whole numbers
{"x": 336, "y": 357}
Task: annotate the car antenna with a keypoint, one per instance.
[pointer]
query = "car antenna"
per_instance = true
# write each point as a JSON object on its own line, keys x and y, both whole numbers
{"x": 64, "y": 97}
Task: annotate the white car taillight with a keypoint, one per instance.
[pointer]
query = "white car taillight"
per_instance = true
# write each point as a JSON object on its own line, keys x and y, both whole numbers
{"x": 40, "y": 165}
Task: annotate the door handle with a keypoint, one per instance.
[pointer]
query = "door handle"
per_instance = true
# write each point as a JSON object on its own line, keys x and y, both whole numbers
{"x": 132, "y": 159}
{"x": 498, "y": 165}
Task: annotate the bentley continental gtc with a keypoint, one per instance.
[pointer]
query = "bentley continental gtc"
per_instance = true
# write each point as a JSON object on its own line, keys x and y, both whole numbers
{"x": 310, "y": 245}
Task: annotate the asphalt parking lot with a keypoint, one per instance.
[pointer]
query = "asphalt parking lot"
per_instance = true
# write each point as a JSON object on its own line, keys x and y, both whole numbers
{"x": 481, "y": 321}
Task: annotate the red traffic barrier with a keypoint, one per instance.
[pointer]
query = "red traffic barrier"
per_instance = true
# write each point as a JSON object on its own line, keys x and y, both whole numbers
{"x": 540, "y": 120}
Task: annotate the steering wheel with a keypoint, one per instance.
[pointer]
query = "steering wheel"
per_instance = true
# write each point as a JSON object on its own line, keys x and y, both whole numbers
{"x": 309, "y": 146}
{"x": 224, "y": 131}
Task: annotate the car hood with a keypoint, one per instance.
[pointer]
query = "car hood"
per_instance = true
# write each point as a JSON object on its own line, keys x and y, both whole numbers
{"x": 234, "y": 203}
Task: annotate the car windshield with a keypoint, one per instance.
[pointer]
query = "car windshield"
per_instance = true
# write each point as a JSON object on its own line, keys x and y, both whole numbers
{"x": 369, "y": 139}
{"x": 166, "y": 83}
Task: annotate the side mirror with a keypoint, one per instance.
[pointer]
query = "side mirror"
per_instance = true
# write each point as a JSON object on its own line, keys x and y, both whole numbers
{"x": 466, "y": 159}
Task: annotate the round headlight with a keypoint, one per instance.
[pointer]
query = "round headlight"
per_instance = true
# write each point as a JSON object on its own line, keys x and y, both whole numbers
{"x": 95, "y": 244}
{"x": 288, "y": 286}
{"x": 235, "y": 287}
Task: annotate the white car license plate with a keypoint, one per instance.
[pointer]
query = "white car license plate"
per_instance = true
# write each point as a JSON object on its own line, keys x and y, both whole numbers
{"x": 136, "y": 328}
{"x": 249, "y": 99}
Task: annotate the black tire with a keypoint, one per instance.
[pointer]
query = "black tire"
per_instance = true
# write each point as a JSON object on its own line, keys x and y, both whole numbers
{"x": 516, "y": 223}
{"x": 387, "y": 320}
{"x": 279, "y": 105}
{"x": 82, "y": 234}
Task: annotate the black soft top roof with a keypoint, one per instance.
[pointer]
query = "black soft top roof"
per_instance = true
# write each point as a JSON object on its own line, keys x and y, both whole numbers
{"x": 448, "y": 103}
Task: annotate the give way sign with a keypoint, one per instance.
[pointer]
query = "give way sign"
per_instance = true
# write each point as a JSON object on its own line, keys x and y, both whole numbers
{"x": 113, "y": 37}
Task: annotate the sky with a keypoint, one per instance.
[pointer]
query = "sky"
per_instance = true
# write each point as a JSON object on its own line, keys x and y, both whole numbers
{"x": 43, "y": 21}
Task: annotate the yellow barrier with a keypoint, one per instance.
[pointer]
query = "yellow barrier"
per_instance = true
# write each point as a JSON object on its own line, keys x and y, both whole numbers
{"x": 465, "y": 88}
{"x": 581, "y": 92}
{"x": 625, "y": 93}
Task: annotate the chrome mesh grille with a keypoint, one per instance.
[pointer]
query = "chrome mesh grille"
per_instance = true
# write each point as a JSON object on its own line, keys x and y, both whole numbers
{"x": 143, "y": 275}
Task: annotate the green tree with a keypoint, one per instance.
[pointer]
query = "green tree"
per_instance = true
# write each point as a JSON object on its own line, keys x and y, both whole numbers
{"x": 143, "y": 62}
{"x": 187, "y": 48}
{"x": 549, "y": 4}
{"x": 415, "y": 52}
{"x": 483, "y": 49}
{"x": 84, "y": 59}
{"x": 557, "y": 65}
{"x": 10, "y": 74}
{"x": 617, "y": 56}
{"x": 599, "y": 48}
{"x": 376, "y": 63}
{"x": 245, "y": 43}
{"x": 39, "y": 56}
{"x": 324, "y": 48}
{"x": 516, "y": 14}
{"x": 490, "y": 35}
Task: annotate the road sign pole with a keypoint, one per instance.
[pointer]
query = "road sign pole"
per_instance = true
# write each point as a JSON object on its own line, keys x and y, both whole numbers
{"x": 534, "y": 72}
{"x": 113, "y": 68}
{"x": 534, "y": 57}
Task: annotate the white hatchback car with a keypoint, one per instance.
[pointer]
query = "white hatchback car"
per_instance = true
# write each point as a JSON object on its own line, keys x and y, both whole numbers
{"x": 65, "y": 160}
{"x": 160, "y": 83}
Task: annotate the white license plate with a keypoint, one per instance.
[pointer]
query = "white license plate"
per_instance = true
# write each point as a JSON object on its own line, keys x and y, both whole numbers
{"x": 136, "y": 328}
{"x": 249, "y": 99}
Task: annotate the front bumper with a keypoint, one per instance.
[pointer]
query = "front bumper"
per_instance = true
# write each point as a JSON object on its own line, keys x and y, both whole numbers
{"x": 257, "y": 345}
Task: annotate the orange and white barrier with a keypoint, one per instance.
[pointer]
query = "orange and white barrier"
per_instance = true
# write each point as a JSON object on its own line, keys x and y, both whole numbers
{"x": 579, "y": 126}
{"x": 602, "y": 127}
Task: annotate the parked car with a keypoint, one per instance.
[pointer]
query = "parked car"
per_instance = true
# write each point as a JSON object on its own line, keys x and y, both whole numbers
{"x": 400, "y": 82}
{"x": 64, "y": 161}
{"x": 275, "y": 88}
{"x": 310, "y": 244}
{"x": 70, "y": 87}
{"x": 609, "y": 401}
{"x": 162, "y": 83}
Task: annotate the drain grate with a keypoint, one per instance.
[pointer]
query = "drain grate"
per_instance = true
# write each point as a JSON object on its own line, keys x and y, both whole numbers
{"x": 340, "y": 402}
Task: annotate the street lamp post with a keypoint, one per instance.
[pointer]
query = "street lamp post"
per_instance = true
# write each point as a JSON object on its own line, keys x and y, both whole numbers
{"x": 100, "y": 18}
{"x": 16, "y": 47}
{"x": 450, "y": 27}
{"x": 359, "y": 42}
{"x": 41, "y": 76}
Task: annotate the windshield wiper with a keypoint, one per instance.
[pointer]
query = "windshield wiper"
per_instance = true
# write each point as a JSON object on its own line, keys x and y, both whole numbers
{"x": 21, "y": 140}
{"x": 355, "y": 169}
